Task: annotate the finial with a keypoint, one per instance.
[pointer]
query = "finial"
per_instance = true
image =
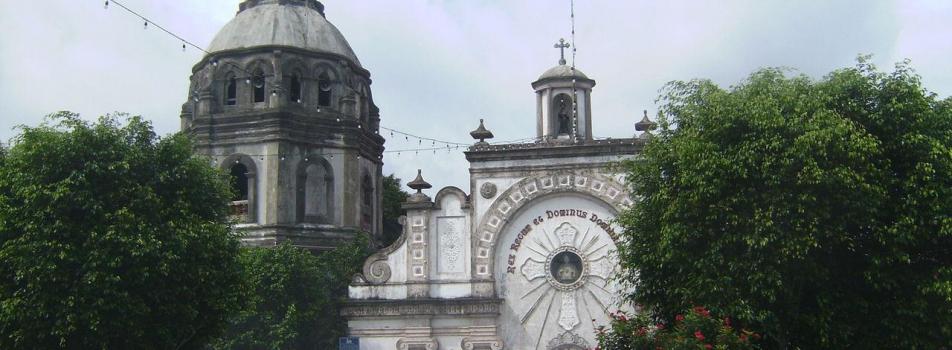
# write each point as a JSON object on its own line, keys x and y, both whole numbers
{"x": 313, "y": 4}
{"x": 646, "y": 125}
{"x": 481, "y": 134}
{"x": 562, "y": 45}
{"x": 419, "y": 185}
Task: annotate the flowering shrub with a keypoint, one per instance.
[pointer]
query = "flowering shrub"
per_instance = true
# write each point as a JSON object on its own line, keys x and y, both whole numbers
{"x": 695, "y": 329}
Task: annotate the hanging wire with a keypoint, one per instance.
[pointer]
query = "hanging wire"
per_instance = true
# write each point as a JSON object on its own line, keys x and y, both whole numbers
{"x": 186, "y": 43}
{"x": 407, "y": 136}
{"x": 148, "y": 21}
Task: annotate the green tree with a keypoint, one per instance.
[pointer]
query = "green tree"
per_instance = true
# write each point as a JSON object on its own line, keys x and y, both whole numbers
{"x": 293, "y": 297}
{"x": 112, "y": 238}
{"x": 393, "y": 199}
{"x": 815, "y": 211}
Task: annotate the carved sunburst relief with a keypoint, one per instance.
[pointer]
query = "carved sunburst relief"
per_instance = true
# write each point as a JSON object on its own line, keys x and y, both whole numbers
{"x": 567, "y": 267}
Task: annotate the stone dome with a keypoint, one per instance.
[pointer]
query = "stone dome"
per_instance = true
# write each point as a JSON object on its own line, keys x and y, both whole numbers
{"x": 295, "y": 23}
{"x": 562, "y": 71}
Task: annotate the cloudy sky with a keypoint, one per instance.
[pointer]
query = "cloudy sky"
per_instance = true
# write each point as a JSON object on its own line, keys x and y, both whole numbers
{"x": 439, "y": 66}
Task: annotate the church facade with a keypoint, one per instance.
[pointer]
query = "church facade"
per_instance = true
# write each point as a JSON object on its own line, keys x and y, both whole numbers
{"x": 522, "y": 259}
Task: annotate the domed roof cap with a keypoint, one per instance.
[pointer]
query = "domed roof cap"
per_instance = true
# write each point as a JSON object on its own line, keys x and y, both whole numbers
{"x": 562, "y": 72}
{"x": 294, "y": 23}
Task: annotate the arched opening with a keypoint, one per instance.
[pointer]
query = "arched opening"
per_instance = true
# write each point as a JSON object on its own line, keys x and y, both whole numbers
{"x": 241, "y": 192}
{"x": 257, "y": 81}
{"x": 231, "y": 91}
{"x": 242, "y": 170}
{"x": 324, "y": 90}
{"x": 367, "y": 202}
{"x": 562, "y": 106}
{"x": 315, "y": 201}
{"x": 239, "y": 182}
{"x": 295, "y": 93}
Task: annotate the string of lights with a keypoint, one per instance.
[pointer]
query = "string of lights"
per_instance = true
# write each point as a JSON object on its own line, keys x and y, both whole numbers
{"x": 397, "y": 152}
{"x": 147, "y": 22}
{"x": 331, "y": 155}
{"x": 444, "y": 145}
{"x": 421, "y": 138}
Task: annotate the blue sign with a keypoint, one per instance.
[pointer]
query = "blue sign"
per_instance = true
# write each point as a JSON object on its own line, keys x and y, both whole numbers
{"x": 348, "y": 343}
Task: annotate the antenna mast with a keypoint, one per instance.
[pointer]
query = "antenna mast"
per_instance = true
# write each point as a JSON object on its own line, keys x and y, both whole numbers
{"x": 574, "y": 91}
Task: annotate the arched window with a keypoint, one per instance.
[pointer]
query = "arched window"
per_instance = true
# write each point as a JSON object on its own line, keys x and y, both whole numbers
{"x": 562, "y": 106}
{"x": 239, "y": 182}
{"x": 294, "y": 95}
{"x": 315, "y": 186}
{"x": 242, "y": 170}
{"x": 367, "y": 199}
{"x": 231, "y": 91}
{"x": 257, "y": 81}
{"x": 324, "y": 90}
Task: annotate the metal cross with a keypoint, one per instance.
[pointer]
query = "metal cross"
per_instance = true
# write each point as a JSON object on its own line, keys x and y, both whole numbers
{"x": 562, "y": 45}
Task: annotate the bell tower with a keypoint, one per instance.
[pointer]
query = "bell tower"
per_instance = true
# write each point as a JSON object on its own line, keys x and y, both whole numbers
{"x": 563, "y": 102}
{"x": 283, "y": 105}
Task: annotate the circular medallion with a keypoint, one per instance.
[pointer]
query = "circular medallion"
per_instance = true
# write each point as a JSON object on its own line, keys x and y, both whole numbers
{"x": 488, "y": 190}
{"x": 565, "y": 268}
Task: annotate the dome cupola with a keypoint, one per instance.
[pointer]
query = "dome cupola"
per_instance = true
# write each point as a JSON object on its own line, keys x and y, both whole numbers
{"x": 282, "y": 23}
{"x": 282, "y": 103}
{"x": 563, "y": 94}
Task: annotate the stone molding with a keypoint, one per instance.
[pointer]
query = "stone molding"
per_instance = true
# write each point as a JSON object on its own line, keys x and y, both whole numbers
{"x": 528, "y": 151}
{"x": 376, "y": 270}
{"x": 510, "y": 202}
{"x": 422, "y": 307}
{"x": 568, "y": 341}
{"x": 481, "y": 343}
{"x": 239, "y": 53}
{"x": 455, "y": 191}
{"x": 417, "y": 344}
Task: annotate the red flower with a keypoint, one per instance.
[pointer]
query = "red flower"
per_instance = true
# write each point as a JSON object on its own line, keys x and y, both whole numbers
{"x": 700, "y": 310}
{"x": 679, "y": 317}
{"x": 743, "y": 337}
{"x": 708, "y": 346}
{"x": 642, "y": 331}
{"x": 660, "y": 326}
{"x": 727, "y": 322}
{"x": 699, "y": 335}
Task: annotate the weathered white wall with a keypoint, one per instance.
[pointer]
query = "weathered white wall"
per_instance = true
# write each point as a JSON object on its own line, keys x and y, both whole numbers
{"x": 534, "y": 312}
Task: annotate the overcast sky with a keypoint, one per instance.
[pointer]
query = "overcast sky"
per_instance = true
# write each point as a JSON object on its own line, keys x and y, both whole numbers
{"x": 439, "y": 66}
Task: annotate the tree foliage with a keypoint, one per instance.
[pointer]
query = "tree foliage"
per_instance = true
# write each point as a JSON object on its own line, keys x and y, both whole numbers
{"x": 393, "y": 199}
{"x": 293, "y": 298}
{"x": 112, "y": 238}
{"x": 815, "y": 211}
